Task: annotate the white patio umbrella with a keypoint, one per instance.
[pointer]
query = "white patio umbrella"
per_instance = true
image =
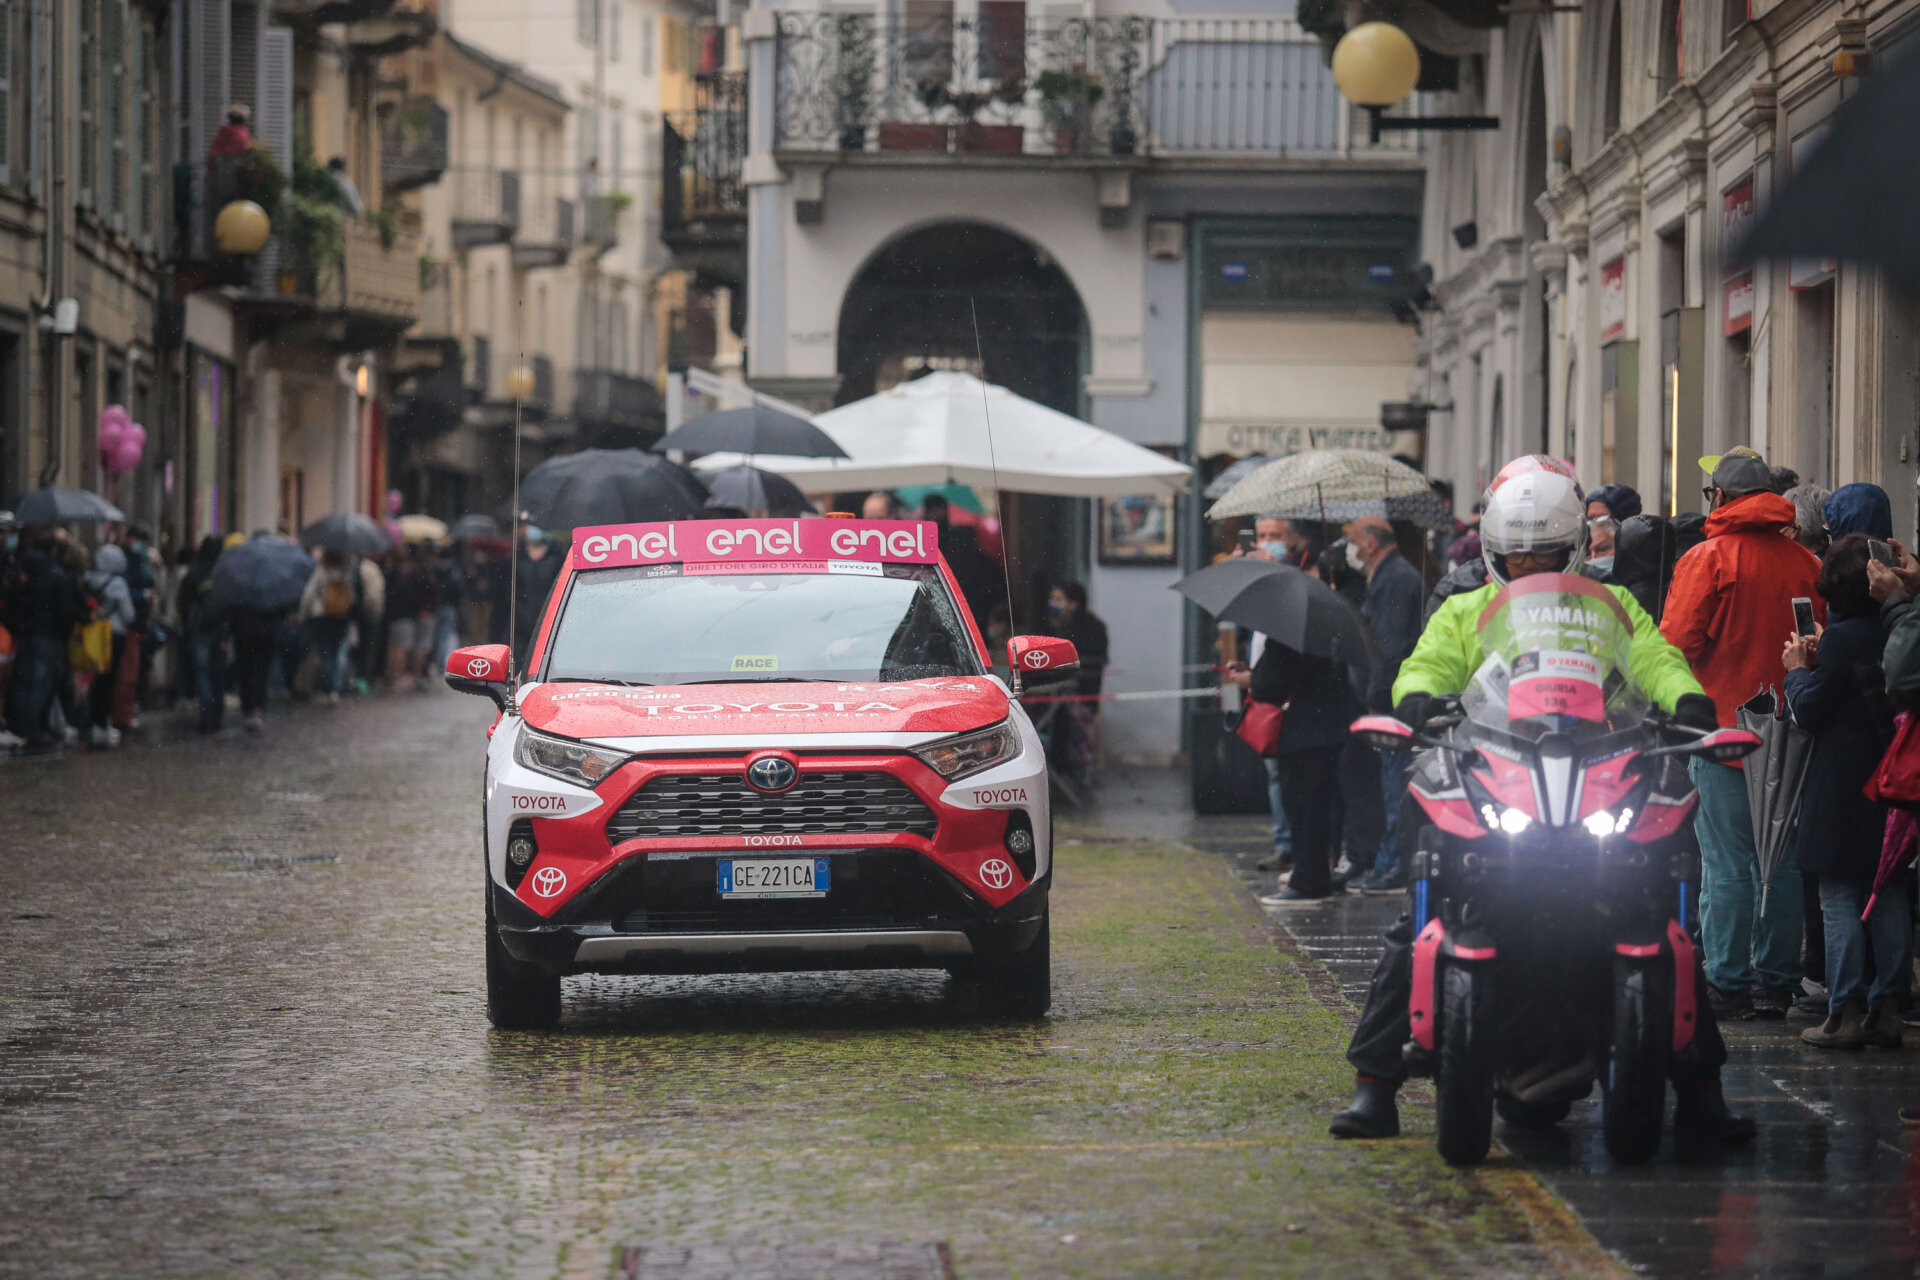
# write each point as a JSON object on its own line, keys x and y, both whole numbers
{"x": 935, "y": 429}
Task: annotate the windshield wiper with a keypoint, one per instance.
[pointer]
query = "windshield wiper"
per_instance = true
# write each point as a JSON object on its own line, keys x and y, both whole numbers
{"x": 631, "y": 684}
{"x": 755, "y": 680}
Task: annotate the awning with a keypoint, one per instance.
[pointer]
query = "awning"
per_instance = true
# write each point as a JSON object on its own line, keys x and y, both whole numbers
{"x": 1280, "y": 382}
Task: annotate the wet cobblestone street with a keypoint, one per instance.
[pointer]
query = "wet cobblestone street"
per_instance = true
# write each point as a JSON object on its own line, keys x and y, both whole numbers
{"x": 241, "y": 1034}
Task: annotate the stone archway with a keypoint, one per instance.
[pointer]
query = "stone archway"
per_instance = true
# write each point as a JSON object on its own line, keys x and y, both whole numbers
{"x": 913, "y": 306}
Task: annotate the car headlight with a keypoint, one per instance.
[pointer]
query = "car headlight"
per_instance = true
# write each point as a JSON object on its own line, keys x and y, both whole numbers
{"x": 969, "y": 753}
{"x": 576, "y": 762}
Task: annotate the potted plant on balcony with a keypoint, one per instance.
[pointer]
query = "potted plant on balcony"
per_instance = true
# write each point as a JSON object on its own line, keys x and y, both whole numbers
{"x": 1067, "y": 99}
{"x": 312, "y": 229}
{"x": 938, "y": 94}
{"x": 852, "y": 83}
{"x": 1125, "y": 65}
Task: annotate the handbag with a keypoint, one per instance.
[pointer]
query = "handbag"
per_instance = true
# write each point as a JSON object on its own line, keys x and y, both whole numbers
{"x": 1897, "y": 780}
{"x": 90, "y": 647}
{"x": 1259, "y": 727}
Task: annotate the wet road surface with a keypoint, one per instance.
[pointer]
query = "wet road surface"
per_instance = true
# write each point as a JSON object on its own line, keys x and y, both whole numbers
{"x": 241, "y": 1034}
{"x": 1830, "y": 1188}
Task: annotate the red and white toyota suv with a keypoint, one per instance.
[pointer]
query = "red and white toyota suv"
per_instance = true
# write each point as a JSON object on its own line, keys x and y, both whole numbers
{"x": 761, "y": 746}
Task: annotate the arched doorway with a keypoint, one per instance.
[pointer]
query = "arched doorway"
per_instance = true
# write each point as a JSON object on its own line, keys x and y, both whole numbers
{"x": 914, "y": 307}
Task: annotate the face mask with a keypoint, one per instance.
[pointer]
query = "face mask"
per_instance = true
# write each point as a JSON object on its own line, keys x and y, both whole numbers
{"x": 1053, "y": 610}
{"x": 139, "y": 548}
{"x": 1355, "y": 561}
{"x": 1278, "y": 550}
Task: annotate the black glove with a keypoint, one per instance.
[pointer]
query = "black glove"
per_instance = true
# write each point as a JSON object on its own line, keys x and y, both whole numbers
{"x": 1414, "y": 710}
{"x": 1695, "y": 711}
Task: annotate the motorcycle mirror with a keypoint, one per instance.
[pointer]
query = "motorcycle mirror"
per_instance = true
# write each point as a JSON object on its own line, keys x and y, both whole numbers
{"x": 1724, "y": 746}
{"x": 1384, "y": 733}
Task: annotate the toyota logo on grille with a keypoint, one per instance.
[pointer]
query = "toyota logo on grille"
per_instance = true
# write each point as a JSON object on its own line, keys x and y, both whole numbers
{"x": 772, "y": 773}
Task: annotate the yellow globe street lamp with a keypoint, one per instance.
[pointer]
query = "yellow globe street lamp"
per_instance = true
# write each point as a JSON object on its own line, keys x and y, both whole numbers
{"x": 520, "y": 382}
{"x": 1376, "y": 64}
{"x": 242, "y": 228}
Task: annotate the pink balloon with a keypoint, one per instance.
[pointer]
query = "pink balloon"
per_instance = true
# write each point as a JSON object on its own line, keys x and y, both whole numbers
{"x": 113, "y": 433}
{"x": 126, "y": 457}
{"x": 394, "y": 502}
{"x": 393, "y": 530}
{"x": 137, "y": 434}
{"x": 116, "y": 413}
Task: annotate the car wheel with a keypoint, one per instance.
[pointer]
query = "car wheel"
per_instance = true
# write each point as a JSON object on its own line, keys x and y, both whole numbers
{"x": 1019, "y": 985}
{"x": 520, "y": 997}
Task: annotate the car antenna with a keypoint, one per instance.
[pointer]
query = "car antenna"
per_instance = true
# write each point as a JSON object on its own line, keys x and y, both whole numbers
{"x": 517, "y": 386}
{"x": 993, "y": 460}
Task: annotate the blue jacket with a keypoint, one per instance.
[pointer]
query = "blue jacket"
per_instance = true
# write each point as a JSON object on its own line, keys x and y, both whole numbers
{"x": 1859, "y": 508}
{"x": 1394, "y": 616}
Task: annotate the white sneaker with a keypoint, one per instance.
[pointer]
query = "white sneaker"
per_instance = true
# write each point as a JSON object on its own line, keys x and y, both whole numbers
{"x": 113, "y": 736}
{"x": 99, "y": 737}
{"x": 10, "y": 739}
{"x": 1344, "y": 867}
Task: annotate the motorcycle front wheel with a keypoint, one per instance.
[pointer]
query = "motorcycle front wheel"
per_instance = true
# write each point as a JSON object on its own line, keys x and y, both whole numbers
{"x": 1464, "y": 1083}
{"x": 1635, "y": 1087}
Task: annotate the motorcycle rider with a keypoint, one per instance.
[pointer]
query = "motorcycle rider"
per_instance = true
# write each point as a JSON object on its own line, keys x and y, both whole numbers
{"x": 1535, "y": 522}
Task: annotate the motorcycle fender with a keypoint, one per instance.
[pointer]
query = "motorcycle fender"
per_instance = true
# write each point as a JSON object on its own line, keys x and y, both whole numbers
{"x": 1426, "y": 971}
{"x": 1685, "y": 1014}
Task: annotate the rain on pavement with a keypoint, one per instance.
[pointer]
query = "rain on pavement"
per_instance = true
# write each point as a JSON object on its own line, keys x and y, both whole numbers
{"x": 243, "y": 1035}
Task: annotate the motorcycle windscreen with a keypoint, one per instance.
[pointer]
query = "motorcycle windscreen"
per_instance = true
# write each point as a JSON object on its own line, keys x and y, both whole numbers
{"x": 1556, "y": 651}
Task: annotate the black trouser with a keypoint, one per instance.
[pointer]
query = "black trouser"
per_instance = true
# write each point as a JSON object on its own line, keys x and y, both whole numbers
{"x": 254, "y": 634}
{"x": 1385, "y": 1027}
{"x": 1309, "y": 786}
{"x": 1363, "y": 820}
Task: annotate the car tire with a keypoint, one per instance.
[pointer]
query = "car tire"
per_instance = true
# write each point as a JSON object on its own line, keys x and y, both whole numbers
{"x": 520, "y": 997}
{"x": 1019, "y": 985}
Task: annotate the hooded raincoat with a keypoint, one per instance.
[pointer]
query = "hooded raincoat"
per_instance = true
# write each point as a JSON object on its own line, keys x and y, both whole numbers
{"x": 1730, "y": 609}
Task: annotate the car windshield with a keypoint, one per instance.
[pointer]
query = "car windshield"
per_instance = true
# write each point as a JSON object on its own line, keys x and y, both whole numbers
{"x": 638, "y": 625}
{"x": 1556, "y": 661}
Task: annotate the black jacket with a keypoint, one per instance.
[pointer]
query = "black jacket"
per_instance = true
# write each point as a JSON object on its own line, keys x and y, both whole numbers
{"x": 1392, "y": 611}
{"x": 1840, "y": 829}
{"x": 42, "y": 599}
{"x": 1645, "y": 551}
{"x": 1316, "y": 693}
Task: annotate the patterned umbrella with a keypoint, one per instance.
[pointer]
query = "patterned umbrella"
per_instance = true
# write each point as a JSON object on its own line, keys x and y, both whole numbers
{"x": 1321, "y": 480}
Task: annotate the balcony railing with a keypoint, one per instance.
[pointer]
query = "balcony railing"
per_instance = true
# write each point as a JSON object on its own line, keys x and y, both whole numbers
{"x": 378, "y": 276}
{"x": 602, "y": 398}
{"x": 600, "y": 220}
{"x": 545, "y": 236}
{"x": 436, "y": 301}
{"x": 1109, "y": 87}
{"x": 486, "y": 208}
{"x": 704, "y": 156}
{"x": 413, "y": 144}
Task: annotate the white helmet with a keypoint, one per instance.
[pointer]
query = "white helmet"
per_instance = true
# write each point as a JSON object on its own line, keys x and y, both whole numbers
{"x": 1543, "y": 512}
{"x": 1526, "y": 464}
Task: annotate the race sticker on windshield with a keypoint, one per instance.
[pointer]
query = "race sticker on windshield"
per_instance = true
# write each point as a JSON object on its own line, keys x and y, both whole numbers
{"x": 755, "y": 662}
{"x": 1549, "y": 682}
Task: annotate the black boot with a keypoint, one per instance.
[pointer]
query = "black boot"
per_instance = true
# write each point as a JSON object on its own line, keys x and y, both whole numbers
{"x": 1701, "y": 1112}
{"x": 1372, "y": 1113}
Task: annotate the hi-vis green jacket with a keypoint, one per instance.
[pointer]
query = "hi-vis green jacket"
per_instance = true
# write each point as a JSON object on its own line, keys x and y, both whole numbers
{"x": 1449, "y": 651}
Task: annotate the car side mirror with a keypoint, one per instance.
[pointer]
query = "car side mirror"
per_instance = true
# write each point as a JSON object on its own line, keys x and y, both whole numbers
{"x": 1040, "y": 657}
{"x": 485, "y": 669}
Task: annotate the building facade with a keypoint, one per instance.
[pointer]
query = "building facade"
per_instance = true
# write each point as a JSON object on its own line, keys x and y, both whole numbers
{"x": 1585, "y": 300}
{"x": 1164, "y": 222}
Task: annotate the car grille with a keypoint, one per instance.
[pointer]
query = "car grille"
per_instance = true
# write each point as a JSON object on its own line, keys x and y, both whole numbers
{"x": 722, "y": 804}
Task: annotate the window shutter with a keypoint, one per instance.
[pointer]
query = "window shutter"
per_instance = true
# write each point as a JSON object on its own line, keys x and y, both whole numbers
{"x": 7, "y": 19}
{"x": 209, "y": 75}
{"x": 113, "y": 111}
{"x": 87, "y": 103}
{"x": 273, "y": 115}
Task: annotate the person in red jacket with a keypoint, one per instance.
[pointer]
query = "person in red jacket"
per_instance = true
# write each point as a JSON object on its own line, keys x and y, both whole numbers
{"x": 1730, "y": 609}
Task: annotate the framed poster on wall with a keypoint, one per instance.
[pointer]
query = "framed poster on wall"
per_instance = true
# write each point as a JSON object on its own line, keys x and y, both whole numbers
{"x": 1138, "y": 529}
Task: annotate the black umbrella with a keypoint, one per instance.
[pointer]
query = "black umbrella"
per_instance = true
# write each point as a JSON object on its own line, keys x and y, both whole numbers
{"x": 266, "y": 573}
{"x": 752, "y": 490}
{"x": 63, "y": 506}
{"x": 1293, "y": 608}
{"x": 348, "y": 532}
{"x": 610, "y": 486}
{"x": 1853, "y": 197}
{"x": 469, "y": 527}
{"x": 751, "y": 431}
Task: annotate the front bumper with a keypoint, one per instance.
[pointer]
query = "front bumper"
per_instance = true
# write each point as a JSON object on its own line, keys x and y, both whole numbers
{"x": 624, "y": 879}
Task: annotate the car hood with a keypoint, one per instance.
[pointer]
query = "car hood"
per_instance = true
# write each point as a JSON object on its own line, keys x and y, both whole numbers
{"x": 579, "y": 710}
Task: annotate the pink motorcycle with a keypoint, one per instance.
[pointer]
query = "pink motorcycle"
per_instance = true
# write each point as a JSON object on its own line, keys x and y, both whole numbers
{"x": 1548, "y": 890}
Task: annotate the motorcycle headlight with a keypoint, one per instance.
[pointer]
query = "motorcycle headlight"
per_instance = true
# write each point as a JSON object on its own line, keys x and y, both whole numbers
{"x": 1511, "y": 821}
{"x": 1606, "y": 823}
{"x": 575, "y": 762}
{"x": 969, "y": 753}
